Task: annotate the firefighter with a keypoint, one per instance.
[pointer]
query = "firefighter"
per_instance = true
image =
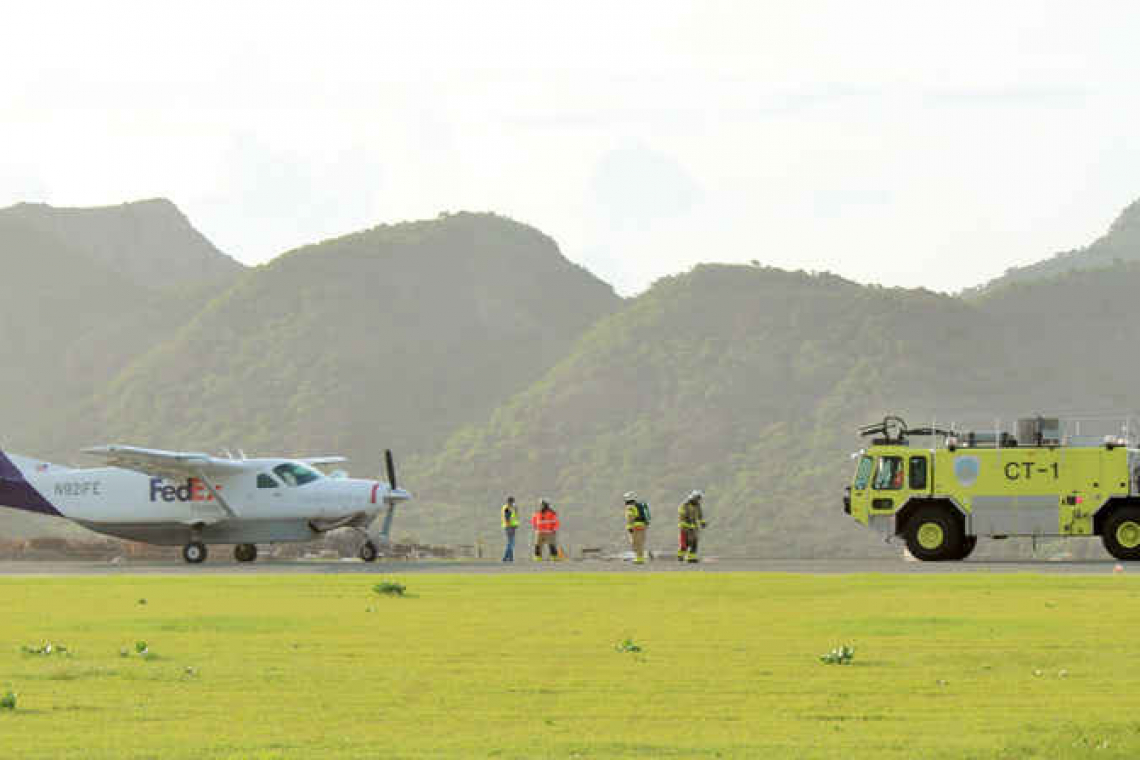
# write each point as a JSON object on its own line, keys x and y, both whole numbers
{"x": 510, "y": 525}
{"x": 545, "y": 523}
{"x": 690, "y": 521}
{"x": 636, "y": 524}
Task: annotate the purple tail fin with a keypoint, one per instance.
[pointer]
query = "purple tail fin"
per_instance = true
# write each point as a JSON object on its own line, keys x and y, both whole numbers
{"x": 18, "y": 493}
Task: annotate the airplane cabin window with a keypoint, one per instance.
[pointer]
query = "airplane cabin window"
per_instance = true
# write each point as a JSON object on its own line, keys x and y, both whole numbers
{"x": 296, "y": 474}
{"x": 266, "y": 481}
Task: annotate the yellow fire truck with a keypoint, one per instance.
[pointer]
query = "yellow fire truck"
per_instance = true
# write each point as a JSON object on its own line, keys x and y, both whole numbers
{"x": 1036, "y": 481}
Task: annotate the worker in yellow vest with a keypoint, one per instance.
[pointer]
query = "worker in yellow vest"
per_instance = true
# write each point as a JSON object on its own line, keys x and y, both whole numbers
{"x": 690, "y": 521}
{"x": 637, "y": 525}
{"x": 510, "y": 526}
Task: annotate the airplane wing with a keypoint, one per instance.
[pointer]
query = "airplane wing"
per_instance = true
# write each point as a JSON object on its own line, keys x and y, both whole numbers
{"x": 171, "y": 465}
{"x": 316, "y": 461}
{"x": 166, "y": 464}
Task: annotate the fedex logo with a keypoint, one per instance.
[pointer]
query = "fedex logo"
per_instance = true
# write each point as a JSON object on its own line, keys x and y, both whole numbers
{"x": 192, "y": 490}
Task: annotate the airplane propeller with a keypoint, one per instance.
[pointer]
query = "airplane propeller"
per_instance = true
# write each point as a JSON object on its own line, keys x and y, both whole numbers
{"x": 390, "y": 466}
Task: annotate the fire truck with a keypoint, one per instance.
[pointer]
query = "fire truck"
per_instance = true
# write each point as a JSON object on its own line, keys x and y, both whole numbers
{"x": 1038, "y": 480}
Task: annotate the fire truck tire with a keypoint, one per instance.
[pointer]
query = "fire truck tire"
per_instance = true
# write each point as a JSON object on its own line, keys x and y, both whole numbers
{"x": 1122, "y": 534}
{"x": 969, "y": 543}
{"x": 934, "y": 535}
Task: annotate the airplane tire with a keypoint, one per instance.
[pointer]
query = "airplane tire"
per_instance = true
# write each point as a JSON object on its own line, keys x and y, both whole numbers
{"x": 368, "y": 551}
{"x": 194, "y": 552}
{"x": 245, "y": 552}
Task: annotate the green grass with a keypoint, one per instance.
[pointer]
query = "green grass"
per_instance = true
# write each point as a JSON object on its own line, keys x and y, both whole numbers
{"x": 528, "y": 666}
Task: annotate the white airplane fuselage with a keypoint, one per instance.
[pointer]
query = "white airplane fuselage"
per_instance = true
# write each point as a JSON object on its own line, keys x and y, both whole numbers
{"x": 260, "y": 505}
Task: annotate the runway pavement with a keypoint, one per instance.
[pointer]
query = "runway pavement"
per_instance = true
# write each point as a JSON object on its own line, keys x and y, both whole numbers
{"x": 390, "y": 567}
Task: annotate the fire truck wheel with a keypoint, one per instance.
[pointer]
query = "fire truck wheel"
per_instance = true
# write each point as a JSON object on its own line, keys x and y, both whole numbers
{"x": 1122, "y": 534}
{"x": 933, "y": 534}
{"x": 968, "y": 545}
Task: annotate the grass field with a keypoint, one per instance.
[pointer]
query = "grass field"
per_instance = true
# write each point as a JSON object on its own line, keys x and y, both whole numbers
{"x": 961, "y": 666}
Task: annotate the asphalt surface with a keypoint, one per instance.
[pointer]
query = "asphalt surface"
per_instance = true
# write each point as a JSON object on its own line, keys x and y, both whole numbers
{"x": 488, "y": 567}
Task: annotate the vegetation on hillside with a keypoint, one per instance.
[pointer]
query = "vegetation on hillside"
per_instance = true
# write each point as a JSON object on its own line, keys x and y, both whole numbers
{"x": 493, "y": 365}
{"x": 391, "y": 337}
{"x": 1121, "y": 244}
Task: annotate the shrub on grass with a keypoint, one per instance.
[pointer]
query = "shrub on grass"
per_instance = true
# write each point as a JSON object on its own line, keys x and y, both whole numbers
{"x": 8, "y": 701}
{"x": 839, "y": 656}
{"x": 390, "y": 588}
{"x": 629, "y": 646}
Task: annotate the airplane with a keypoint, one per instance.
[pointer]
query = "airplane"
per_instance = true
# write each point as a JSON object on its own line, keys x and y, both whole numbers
{"x": 192, "y": 499}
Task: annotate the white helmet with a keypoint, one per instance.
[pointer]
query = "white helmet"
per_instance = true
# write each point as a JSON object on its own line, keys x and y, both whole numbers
{"x": 630, "y": 496}
{"x": 696, "y": 496}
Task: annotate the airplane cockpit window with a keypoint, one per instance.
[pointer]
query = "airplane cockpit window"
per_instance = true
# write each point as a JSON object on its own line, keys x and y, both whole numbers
{"x": 296, "y": 474}
{"x": 266, "y": 481}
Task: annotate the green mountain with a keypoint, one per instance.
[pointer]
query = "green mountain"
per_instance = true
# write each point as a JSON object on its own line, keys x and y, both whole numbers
{"x": 149, "y": 242}
{"x": 743, "y": 381}
{"x": 750, "y": 383}
{"x": 391, "y": 337}
{"x": 493, "y": 365}
{"x": 1119, "y": 245}
{"x": 71, "y": 319}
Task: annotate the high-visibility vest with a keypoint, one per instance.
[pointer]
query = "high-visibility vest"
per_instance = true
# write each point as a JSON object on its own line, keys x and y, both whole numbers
{"x": 510, "y": 516}
{"x": 545, "y": 522}
{"x": 689, "y": 515}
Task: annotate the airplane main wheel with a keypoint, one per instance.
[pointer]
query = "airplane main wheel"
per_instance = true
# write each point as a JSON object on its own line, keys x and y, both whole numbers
{"x": 245, "y": 552}
{"x": 368, "y": 551}
{"x": 194, "y": 552}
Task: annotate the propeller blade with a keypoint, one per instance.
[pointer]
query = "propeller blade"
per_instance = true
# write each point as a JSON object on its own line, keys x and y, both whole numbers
{"x": 391, "y": 468}
{"x": 386, "y": 528}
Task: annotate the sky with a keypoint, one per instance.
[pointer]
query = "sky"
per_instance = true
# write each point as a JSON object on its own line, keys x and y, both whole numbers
{"x": 906, "y": 144}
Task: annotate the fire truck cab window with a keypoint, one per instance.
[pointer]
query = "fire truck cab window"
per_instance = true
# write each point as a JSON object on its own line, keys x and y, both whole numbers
{"x": 890, "y": 474}
{"x": 918, "y": 473}
{"x": 863, "y": 474}
{"x": 266, "y": 481}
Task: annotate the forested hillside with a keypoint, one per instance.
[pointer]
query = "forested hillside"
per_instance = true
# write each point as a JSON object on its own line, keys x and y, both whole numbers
{"x": 150, "y": 242}
{"x": 391, "y": 337}
{"x": 1121, "y": 244}
{"x": 750, "y": 383}
{"x": 744, "y": 381}
{"x": 70, "y": 319}
{"x": 493, "y": 365}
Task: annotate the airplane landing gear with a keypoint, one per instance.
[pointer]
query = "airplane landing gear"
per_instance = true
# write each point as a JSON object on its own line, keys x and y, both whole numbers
{"x": 368, "y": 551}
{"x": 245, "y": 552}
{"x": 194, "y": 552}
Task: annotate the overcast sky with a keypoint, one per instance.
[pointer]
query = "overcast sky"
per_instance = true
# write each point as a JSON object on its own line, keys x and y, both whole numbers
{"x": 917, "y": 144}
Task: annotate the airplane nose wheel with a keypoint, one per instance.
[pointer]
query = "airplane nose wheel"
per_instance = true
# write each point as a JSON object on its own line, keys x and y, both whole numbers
{"x": 245, "y": 552}
{"x": 368, "y": 551}
{"x": 194, "y": 552}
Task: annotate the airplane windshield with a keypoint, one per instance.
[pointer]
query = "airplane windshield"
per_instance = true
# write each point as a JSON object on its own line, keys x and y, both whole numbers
{"x": 296, "y": 474}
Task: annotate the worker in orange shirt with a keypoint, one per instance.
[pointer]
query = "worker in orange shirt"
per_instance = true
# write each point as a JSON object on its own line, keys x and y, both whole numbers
{"x": 545, "y": 523}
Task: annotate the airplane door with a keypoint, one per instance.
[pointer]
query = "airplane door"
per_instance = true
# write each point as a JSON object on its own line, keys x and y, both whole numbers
{"x": 268, "y": 491}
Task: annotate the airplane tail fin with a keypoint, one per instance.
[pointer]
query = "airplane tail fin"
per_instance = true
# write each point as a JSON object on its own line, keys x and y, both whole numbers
{"x": 15, "y": 490}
